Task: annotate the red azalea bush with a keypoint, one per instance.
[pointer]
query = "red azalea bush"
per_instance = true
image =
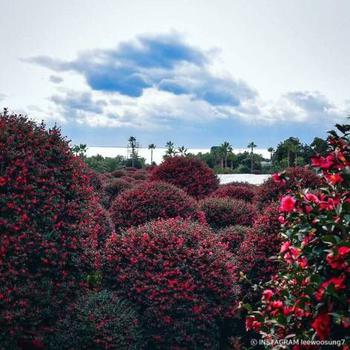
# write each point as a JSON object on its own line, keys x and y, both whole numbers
{"x": 188, "y": 173}
{"x": 44, "y": 193}
{"x": 243, "y": 191}
{"x": 99, "y": 321}
{"x": 149, "y": 201}
{"x": 182, "y": 278}
{"x": 294, "y": 178}
{"x": 113, "y": 188}
{"x": 223, "y": 212}
{"x": 310, "y": 296}
{"x": 95, "y": 228}
{"x": 233, "y": 236}
{"x": 260, "y": 244}
{"x": 118, "y": 173}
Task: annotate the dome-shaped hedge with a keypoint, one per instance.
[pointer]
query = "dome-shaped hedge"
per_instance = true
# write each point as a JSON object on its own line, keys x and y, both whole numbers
{"x": 149, "y": 201}
{"x": 98, "y": 321}
{"x": 242, "y": 191}
{"x": 181, "y": 276}
{"x": 223, "y": 212}
{"x": 188, "y": 173}
{"x": 233, "y": 236}
{"x": 44, "y": 193}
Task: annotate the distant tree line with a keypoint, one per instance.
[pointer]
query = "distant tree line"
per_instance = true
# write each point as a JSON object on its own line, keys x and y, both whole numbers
{"x": 290, "y": 152}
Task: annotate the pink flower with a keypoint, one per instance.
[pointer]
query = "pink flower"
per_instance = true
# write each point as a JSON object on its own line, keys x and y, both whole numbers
{"x": 287, "y": 204}
{"x": 268, "y": 294}
{"x": 285, "y": 247}
{"x": 312, "y": 198}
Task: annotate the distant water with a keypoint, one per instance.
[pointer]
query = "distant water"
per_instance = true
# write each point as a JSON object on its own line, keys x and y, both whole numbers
{"x": 255, "y": 179}
{"x": 158, "y": 153}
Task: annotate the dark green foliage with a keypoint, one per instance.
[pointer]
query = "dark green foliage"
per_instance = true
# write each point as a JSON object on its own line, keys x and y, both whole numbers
{"x": 98, "y": 321}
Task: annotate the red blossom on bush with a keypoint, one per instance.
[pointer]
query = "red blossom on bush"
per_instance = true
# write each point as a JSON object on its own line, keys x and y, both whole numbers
{"x": 321, "y": 325}
{"x": 287, "y": 204}
{"x": 291, "y": 179}
{"x": 180, "y": 275}
{"x": 313, "y": 283}
{"x": 190, "y": 174}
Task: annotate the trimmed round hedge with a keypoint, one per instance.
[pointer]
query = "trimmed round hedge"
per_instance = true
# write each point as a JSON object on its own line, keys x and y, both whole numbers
{"x": 188, "y": 173}
{"x": 223, "y": 212}
{"x": 241, "y": 191}
{"x": 182, "y": 277}
{"x": 233, "y": 236}
{"x": 44, "y": 194}
{"x": 99, "y": 321}
{"x": 149, "y": 201}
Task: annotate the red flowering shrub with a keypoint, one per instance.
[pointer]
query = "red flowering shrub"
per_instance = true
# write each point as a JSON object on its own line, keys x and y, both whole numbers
{"x": 182, "y": 278}
{"x": 99, "y": 321}
{"x": 118, "y": 173}
{"x": 310, "y": 295}
{"x": 149, "y": 201}
{"x": 95, "y": 228}
{"x": 223, "y": 212}
{"x": 244, "y": 192}
{"x": 296, "y": 177}
{"x": 260, "y": 244}
{"x": 190, "y": 174}
{"x": 44, "y": 193}
{"x": 113, "y": 188}
{"x": 233, "y": 236}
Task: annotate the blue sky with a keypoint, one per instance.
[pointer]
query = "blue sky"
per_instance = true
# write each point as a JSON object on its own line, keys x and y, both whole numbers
{"x": 190, "y": 72}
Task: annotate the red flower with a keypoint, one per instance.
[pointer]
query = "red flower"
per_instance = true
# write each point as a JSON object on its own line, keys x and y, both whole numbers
{"x": 312, "y": 198}
{"x": 338, "y": 283}
{"x": 324, "y": 163}
{"x": 287, "y": 204}
{"x": 252, "y": 323}
{"x": 343, "y": 251}
{"x": 285, "y": 247}
{"x": 277, "y": 178}
{"x": 321, "y": 325}
{"x": 3, "y": 181}
{"x": 268, "y": 294}
{"x": 303, "y": 263}
{"x": 334, "y": 178}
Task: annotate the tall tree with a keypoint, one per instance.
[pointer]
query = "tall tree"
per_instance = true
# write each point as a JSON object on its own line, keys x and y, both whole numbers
{"x": 271, "y": 150}
{"x": 170, "y": 149}
{"x": 152, "y": 147}
{"x": 182, "y": 150}
{"x": 252, "y": 145}
{"x": 226, "y": 148}
{"x": 133, "y": 145}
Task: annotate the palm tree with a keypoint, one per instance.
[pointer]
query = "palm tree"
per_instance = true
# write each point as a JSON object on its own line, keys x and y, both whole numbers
{"x": 152, "y": 147}
{"x": 226, "y": 148}
{"x": 133, "y": 145}
{"x": 182, "y": 150}
{"x": 170, "y": 152}
{"x": 251, "y": 145}
{"x": 271, "y": 150}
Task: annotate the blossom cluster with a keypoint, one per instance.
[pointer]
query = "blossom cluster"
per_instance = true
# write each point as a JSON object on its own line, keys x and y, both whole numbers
{"x": 309, "y": 297}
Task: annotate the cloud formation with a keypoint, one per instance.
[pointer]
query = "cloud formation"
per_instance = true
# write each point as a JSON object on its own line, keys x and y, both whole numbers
{"x": 154, "y": 81}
